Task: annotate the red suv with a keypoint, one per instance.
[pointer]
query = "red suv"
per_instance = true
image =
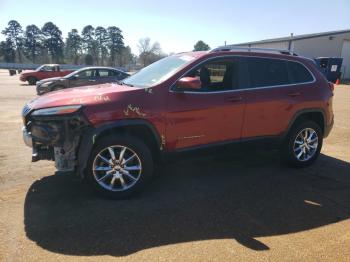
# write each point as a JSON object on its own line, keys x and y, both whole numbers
{"x": 113, "y": 134}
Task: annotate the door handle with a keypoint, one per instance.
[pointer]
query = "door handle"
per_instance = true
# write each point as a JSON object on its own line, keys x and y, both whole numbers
{"x": 294, "y": 94}
{"x": 234, "y": 99}
{"x": 92, "y": 80}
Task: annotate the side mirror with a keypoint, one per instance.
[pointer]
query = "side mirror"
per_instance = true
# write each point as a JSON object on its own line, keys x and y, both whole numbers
{"x": 189, "y": 83}
{"x": 75, "y": 77}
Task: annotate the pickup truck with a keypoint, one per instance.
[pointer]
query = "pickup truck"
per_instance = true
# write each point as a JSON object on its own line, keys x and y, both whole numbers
{"x": 42, "y": 72}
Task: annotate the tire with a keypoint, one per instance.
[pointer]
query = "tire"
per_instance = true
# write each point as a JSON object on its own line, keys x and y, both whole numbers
{"x": 294, "y": 151}
{"x": 139, "y": 168}
{"x": 32, "y": 80}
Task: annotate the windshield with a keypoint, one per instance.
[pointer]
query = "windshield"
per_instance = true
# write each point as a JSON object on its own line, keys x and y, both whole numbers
{"x": 72, "y": 74}
{"x": 39, "y": 68}
{"x": 158, "y": 71}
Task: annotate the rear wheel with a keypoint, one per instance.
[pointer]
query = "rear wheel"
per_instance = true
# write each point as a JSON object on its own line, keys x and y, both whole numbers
{"x": 32, "y": 80}
{"x": 119, "y": 166}
{"x": 303, "y": 144}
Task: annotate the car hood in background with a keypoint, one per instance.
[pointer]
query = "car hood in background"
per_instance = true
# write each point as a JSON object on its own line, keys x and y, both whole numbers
{"x": 50, "y": 79}
{"x": 28, "y": 72}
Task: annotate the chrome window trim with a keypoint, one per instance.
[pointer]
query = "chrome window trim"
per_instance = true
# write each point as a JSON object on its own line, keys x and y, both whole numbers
{"x": 243, "y": 89}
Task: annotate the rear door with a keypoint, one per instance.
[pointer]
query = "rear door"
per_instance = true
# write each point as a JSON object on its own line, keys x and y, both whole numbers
{"x": 277, "y": 89}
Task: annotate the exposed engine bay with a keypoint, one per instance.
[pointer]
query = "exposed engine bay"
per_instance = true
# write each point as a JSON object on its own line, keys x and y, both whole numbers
{"x": 54, "y": 137}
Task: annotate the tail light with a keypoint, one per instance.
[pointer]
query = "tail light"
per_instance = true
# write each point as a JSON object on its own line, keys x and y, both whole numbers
{"x": 331, "y": 86}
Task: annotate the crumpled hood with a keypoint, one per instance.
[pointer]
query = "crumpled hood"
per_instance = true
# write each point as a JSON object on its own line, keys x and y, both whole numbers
{"x": 81, "y": 96}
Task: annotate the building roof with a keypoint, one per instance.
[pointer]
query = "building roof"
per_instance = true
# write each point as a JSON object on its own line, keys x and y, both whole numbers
{"x": 296, "y": 37}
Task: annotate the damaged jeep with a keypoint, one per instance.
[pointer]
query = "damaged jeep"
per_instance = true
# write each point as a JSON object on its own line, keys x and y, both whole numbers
{"x": 113, "y": 134}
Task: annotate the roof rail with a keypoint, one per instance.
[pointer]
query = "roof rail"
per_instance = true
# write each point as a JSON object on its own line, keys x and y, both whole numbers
{"x": 253, "y": 49}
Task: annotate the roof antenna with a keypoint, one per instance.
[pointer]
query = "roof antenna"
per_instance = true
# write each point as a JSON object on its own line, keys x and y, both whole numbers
{"x": 290, "y": 44}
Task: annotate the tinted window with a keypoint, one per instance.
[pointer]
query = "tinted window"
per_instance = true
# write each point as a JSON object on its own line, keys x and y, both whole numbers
{"x": 217, "y": 75}
{"x": 298, "y": 73}
{"x": 47, "y": 68}
{"x": 103, "y": 73}
{"x": 86, "y": 73}
{"x": 267, "y": 72}
{"x": 114, "y": 73}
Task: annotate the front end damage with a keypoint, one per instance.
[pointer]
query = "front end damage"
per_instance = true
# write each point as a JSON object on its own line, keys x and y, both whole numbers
{"x": 55, "y": 134}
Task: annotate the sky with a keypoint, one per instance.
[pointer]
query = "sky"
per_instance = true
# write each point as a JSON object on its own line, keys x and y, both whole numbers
{"x": 178, "y": 25}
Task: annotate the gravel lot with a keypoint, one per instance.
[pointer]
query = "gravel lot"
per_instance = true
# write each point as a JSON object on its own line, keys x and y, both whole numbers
{"x": 217, "y": 207}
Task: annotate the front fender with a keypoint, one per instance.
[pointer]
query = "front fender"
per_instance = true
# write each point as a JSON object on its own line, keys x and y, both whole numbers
{"x": 91, "y": 135}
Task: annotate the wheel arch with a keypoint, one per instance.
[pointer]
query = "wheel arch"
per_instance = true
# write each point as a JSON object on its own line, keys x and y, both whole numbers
{"x": 315, "y": 114}
{"x": 31, "y": 76}
{"x": 139, "y": 128}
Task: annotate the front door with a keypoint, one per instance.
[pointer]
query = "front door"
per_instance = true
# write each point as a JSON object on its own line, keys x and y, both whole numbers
{"x": 83, "y": 78}
{"x": 212, "y": 114}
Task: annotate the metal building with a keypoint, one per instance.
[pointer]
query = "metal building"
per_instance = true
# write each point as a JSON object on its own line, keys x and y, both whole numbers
{"x": 327, "y": 44}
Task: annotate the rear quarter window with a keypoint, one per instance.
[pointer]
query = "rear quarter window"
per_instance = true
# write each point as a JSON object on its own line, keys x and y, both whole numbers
{"x": 299, "y": 73}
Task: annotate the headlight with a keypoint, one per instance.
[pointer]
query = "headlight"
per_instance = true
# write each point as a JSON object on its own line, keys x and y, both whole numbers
{"x": 60, "y": 110}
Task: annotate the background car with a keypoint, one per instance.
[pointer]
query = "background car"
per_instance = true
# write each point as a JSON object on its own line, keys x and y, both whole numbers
{"x": 42, "y": 72}
{"x": 81, "y": 77}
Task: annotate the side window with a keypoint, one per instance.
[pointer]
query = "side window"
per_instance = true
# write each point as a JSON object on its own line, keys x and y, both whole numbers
{"x": 267, "y": 72}
{"x": 47, "y": 69}
{"x": 86, "y": 74}
{"x": 113, "y": 73}
{"x": 217, "y": 75}
{"x": 103, "y": 73}
{"x": 298, "y": 73}
{"x": 217, "y": 72}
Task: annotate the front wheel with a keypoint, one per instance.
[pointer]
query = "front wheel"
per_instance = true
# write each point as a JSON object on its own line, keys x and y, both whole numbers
{"x": 32, "y": 80}
{"x": 303, "y": 144}
{"x": 119, "y": 166}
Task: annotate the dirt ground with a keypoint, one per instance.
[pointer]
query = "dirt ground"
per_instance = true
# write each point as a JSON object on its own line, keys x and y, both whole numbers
{"x": 216, "y": 207}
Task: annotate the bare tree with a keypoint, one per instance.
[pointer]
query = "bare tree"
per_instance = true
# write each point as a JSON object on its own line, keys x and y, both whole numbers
{"x": 149, "y": 53}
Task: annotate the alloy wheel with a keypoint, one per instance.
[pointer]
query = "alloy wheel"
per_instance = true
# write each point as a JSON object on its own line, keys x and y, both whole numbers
{"x": 305, "y": 144}
{"x": 117, "y": 168}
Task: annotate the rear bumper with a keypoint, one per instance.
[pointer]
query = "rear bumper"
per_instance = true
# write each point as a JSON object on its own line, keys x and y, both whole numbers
{"x": 328, "y": 128}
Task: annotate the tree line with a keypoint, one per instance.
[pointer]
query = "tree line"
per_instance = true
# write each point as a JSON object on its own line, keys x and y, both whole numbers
{"x": 93, "y": 46}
